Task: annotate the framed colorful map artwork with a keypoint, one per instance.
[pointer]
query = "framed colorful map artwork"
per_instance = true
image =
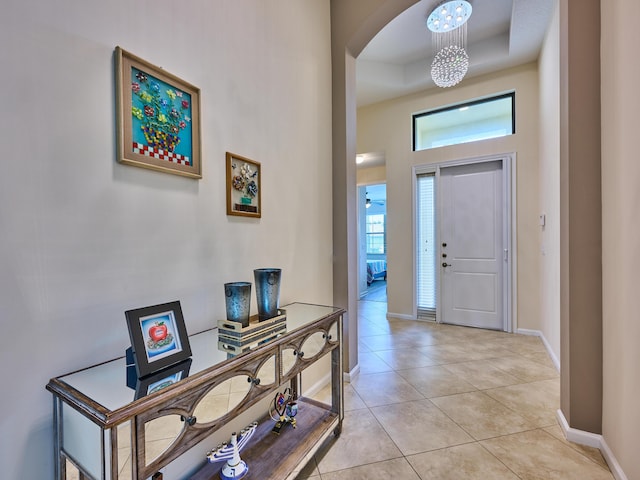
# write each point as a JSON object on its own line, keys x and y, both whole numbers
{"x": 158, "y": 118}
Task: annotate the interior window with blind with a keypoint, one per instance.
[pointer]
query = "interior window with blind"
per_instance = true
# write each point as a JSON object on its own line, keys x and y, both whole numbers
{"x": 426, "y": 246}
{"x": 466, "y": 122}
{"x": 375, "y": 234}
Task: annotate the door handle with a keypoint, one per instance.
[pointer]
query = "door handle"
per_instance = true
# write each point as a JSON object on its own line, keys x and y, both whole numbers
{"x": 445, "y": 264}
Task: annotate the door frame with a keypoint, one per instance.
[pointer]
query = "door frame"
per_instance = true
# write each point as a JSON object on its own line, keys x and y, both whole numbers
{"x": 361, "y": 209}
{"x": 509, "y": 231}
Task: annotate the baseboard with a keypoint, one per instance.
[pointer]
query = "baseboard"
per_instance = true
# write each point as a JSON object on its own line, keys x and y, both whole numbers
{"x": 319, "y": 385}
{"x": 350, "y": 376}
{"x": 578, "y": 436}
{"x": 547, "y": 346}
{"x": 591, "y": 440}
{"x": 614, "y": 466}
{"x": 400, "y": 316}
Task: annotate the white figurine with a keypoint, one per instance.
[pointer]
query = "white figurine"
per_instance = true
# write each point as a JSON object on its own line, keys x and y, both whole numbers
{"x": 235, "y": 468}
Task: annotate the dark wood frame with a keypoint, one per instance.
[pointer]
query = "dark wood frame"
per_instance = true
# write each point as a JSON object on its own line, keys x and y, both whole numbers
{"x": 135, "y": 319}
{"x": 124, "y": 62}
{"x": 234, "y": 164}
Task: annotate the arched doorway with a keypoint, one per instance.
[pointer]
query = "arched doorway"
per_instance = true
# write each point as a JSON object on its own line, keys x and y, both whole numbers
{"x": 353, "y": 25}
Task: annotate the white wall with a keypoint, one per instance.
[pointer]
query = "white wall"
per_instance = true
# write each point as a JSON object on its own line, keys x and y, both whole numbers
{"x": 549, "y": 250}
{"x": 387, "y": 127}
{"x": 371, "y": 175}
{"x": 83, "y": 238}
{"x": 621, "y": 231}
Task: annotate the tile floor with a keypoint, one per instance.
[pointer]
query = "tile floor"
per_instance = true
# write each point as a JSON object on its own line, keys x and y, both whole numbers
{"x": 439, "y": 402}
{"x": 376, "y": 292}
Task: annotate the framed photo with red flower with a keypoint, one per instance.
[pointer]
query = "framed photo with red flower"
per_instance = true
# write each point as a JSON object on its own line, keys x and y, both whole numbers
{"x": 157, "y": 116}
{"x": 243, "y": 186}
{"x": 158, "y": 337}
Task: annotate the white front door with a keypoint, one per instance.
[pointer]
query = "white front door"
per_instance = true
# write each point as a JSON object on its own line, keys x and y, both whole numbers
{"x": 472, "y": 258}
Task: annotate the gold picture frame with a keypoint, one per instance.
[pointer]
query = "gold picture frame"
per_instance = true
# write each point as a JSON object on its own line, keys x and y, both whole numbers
{"x": 244, "y": 190}
{"x": 158, "y": 118}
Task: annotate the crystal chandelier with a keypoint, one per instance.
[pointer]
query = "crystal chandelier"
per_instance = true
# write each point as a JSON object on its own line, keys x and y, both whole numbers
{"x": 449, "y": 66}
{"x": 448, "y": 24}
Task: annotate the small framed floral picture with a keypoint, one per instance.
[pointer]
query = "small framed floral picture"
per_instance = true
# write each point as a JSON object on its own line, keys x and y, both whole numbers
{"x": 158, "y": 118}
{"x": 243, "y": 187}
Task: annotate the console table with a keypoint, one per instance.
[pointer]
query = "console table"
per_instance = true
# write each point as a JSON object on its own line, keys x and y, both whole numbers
{"x": 106, "y": 429}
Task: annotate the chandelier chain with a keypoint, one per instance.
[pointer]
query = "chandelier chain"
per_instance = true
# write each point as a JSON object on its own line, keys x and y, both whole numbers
{"x": 451, "y": 61}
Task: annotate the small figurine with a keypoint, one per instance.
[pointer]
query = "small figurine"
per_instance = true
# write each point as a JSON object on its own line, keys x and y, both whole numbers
{"x": 286, "y": 408}
{"x": 235, "y": 468}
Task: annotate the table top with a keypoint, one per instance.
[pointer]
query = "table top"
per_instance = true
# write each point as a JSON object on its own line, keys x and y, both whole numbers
{"x": 114, "y": 385}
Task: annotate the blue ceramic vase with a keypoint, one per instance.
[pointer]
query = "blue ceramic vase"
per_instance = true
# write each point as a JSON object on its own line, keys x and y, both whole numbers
{"x": 237, "y": 296}
{"x": 267, "y": 291}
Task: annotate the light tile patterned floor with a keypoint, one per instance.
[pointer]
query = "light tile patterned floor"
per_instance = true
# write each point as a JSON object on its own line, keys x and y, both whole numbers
{"x": 439, "y": 402}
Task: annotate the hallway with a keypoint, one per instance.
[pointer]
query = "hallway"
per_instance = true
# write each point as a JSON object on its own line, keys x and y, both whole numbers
{"x": 438, "y": 402}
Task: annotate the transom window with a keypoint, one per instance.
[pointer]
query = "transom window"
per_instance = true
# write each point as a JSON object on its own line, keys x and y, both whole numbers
{"x": 466, "y": 122}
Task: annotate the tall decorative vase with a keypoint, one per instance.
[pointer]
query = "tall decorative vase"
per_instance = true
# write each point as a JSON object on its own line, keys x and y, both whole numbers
{"x": 237, "y": 296}
{"x": 267, "y": 291}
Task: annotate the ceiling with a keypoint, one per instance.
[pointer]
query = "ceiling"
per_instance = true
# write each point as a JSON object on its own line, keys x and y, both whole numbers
{"x": 500, "y": 34}
{"x": 397, "y": 61}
